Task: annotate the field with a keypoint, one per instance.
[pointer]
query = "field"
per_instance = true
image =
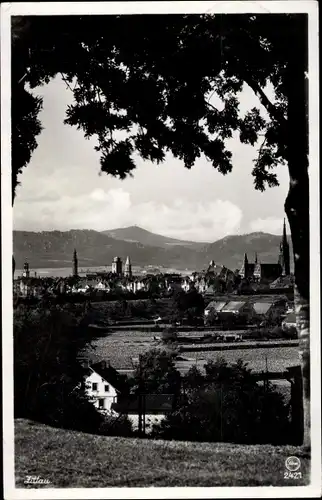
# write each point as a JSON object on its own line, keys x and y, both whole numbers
{"x": 77, "y": 460}
{"x": 121, "y": 347}
{"x": 122, "y": 350}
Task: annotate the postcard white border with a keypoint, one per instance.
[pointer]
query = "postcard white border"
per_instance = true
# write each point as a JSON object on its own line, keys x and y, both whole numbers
{"x": 177, "y": 7}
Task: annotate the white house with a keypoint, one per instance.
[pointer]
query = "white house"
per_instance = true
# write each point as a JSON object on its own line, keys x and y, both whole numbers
{"x": 107, "y": 389}
{"x": 103, "y": 384}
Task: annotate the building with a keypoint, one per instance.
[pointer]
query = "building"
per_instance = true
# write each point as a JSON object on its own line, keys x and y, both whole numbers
{"x": 284, "y": 256}
{"x": 289, "y": 324}
{"x": 212, "y": 310}
{"x": 283, "y": 282}
{"x": 247, "y": 269}
{"x": 173, "y": 283}
{"x": 75, "y": 264}
{"x": 238, "y": 311}
{"x": 107, "y": 389}
{"x": 270, "y": 309}
{"x": 128, "y": 268}
{"x": 103, "y": 285}
{"x": 154, "y": 408}
{"x": 26, "y": 271}
{"x": 266, "y": 273}
{"x": 251, "y": 308}
{"x": 103, "y": 385}
{"x": 187, "y": 285}
{"x": 29, "y": 287}
{"x": 117, "y": 266}
{"x": 259, "y": 272}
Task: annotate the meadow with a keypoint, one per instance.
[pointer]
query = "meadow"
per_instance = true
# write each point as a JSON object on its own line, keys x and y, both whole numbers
{"x": 77, "y": 460}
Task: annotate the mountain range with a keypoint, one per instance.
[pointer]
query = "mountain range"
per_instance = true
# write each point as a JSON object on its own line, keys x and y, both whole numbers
{"x": 54, "y": 249}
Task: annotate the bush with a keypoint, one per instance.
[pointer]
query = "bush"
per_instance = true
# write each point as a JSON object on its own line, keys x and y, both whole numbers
{"x": 116, "y": 425}
{"x": 47, "y": 377}
{"x": 227, "y": 405}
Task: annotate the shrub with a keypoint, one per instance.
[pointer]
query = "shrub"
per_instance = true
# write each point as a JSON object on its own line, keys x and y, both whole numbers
{"x": 47, "y": 377}
{"x": 227, "y": 405}
{"x": 116, "y": 425}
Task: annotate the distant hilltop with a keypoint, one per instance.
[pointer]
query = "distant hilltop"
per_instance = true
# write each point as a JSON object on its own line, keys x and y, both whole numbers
{"x": 54, "y": 249}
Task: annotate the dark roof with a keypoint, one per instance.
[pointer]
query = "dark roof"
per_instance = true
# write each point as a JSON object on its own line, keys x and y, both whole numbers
{"x": 267, "y": 299}
{"x": 290, "y": 318}
{"x": 283, "y": 282}
{"x": 157, "y": 403}
{"x": 111, "y": 375}
{"x": 270, "y": 270}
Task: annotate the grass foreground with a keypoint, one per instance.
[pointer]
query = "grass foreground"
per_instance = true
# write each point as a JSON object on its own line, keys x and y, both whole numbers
{"x": 70, "y": 459}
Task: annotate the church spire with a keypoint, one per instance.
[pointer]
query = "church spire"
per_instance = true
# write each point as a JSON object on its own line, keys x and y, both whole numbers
{"x": 75, "y": 263}
{"x": 256, "y": 259}
{"x": 245, "y": 266}
{"x": 284, "y": 258}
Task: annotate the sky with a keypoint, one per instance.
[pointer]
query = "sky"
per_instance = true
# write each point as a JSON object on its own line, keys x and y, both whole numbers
{"x": 62, "y": 187}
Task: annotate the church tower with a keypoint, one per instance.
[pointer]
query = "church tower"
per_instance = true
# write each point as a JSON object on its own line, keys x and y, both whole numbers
{"x": 117, "y": 266}
{"x": 75, "y": 264}
{"x": 244, "y": 270}
{"x": 128, "y": 268}
{"x": 26, "y": 272}
{"x": 284, "y": 257}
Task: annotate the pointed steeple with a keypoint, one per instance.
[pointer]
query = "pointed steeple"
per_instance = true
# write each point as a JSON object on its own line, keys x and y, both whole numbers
{"x": 284, "y": 255}
{"x": 244, "y": 272}
{"x": 128, "y": 268}
{"x": 75, "y": 263}
{"x": 256, "y": 259}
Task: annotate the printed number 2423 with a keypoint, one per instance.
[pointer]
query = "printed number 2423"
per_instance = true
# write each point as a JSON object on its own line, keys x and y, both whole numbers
{"x": 292, "y": 475}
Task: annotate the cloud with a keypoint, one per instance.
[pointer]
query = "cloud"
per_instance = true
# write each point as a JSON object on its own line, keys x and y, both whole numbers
{"x": 269, "y": 225}
{"x": 106, "y": 209}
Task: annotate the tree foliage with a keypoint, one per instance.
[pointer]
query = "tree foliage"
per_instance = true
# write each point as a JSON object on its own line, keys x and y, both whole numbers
{"x": 47, "y": 377}
{"x": 156, "y": 374}
{"x": 137, "y": 95}
{"x": 227, "y": 405}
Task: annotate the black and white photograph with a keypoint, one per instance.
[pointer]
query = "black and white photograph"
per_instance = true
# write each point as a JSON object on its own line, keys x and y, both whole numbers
{"x": 160, "y": 250}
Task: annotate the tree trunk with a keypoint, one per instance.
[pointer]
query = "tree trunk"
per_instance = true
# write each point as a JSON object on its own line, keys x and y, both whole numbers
{"x": 297, "y": 202}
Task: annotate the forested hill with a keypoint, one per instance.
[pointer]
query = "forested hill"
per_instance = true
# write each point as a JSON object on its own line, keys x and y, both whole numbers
{"x": 55, "y": 249}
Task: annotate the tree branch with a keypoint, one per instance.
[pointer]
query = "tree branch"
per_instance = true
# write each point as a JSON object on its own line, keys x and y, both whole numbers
{"x": 66, "y": 82}
{"x": 272, "y": 110}
{"x": 211, "y": 105}
{"x": 260, "y": 150}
